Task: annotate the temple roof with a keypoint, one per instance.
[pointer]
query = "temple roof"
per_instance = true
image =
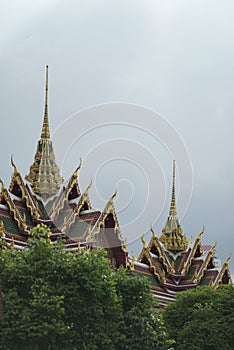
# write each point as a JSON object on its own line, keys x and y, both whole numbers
{"x": 46, "y": 199}
{"x": 170, "y": 272}
{"x": 170, "y": 263}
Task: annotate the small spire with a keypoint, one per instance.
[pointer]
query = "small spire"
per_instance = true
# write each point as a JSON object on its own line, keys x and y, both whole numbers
{"x": 45, "y": 134}
{"x": 173, "y": 211}
{"x": 172, "y": 234}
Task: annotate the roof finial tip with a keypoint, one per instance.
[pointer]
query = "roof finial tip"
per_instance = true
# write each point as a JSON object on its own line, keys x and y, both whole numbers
{"x": 45, "y": 128}
{"x": 173, "y": 210}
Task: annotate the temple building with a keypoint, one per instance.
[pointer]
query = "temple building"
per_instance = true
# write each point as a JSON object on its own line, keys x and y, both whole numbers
{"x": 170, "y": 262}
{"x": 45, "y": 198}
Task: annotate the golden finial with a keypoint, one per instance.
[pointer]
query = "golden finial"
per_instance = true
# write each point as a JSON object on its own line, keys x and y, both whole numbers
{"x": 75, "y": 174}
{"x": 214, "y": 246}
{"x": 45, "y": 134}
{"x": 79, "y": 248}
{"x": 201, "y": 233}
{"x": 152, "y": 231}
{"x": 86, "y": 193}
{"x": 112, "y": 197}
{"x": 227, "y": 260}
{"x": 173, "y": 211}
{"x": 16, "y": 171}
{"x": 143, "y": 241}
{"x": 90, "y": 185}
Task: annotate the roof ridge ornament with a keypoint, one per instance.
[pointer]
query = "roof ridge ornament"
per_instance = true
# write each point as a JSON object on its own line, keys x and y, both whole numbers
{"x": 16, "y": 171}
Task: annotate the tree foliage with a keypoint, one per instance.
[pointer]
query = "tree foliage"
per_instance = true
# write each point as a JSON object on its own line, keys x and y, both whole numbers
{"x": 55, "y": 299}
{"x": 202, "y": 318}
{"x": 143, "y": 329}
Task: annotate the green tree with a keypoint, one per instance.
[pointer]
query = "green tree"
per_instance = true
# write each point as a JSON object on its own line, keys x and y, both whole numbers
{"x": 54, "y": 299}
{"x": 142, "y": 325}
{"x": 202, "y": 318}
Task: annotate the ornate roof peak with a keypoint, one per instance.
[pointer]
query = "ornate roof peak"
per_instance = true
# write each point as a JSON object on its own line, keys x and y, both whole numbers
{"x": 172, "y": 234}
{"x": 44, "y": 174}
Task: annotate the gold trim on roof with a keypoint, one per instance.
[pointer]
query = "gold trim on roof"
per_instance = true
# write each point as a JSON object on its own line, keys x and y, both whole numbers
{"x": 203, "y": 268}
{"x": 13, "y": 209}
{"x": 100, "y": 239}
{"x": 197, "y": 242}
{"x": 109, "y": 208}
{"x": 68, "y": 222}
{"x": 170, "y": 267}
{"x": 225, "y": 268}
{"x": 59, "y": 203}
{"x": 146, "y": 254}
{"x": 17, "y": 178}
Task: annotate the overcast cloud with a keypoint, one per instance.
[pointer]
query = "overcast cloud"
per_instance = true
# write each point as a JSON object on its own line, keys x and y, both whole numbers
{"x": 175, "y": 57}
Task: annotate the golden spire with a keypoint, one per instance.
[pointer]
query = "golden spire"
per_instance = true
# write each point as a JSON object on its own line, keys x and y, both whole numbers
{"x": 173, "y": 211}
{"x": 45, "y": 133}
{"x": 44, "y": 174}
{"x": 172, "y": 234}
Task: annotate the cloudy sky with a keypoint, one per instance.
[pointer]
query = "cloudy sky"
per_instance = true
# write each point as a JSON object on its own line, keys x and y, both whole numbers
{"x": 174, "y": 57}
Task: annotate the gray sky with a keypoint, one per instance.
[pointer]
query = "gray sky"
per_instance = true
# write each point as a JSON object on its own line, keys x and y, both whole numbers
{"x": 175, "y": 57}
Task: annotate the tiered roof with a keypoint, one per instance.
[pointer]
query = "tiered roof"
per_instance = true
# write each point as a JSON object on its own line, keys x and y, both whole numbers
{"x": 44, "y": 198}
{"x": 172, "y": 264}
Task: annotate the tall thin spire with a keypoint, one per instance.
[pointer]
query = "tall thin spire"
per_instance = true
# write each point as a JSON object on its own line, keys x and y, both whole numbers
{"x": 173, "y": 211}
{"x": 44, "y": 173}
{"x": 45, "y": 134}
{"x": 172, "y": 236}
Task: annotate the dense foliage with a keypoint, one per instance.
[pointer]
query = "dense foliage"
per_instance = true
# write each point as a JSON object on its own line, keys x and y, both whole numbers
{"x": 54, "y": 299}
{"x": 202, "y": 318}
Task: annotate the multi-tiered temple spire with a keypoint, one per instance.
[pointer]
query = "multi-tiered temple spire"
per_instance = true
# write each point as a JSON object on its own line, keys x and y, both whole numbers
{"x": 172, "y": 234}
{"x": 44, "y": 174}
